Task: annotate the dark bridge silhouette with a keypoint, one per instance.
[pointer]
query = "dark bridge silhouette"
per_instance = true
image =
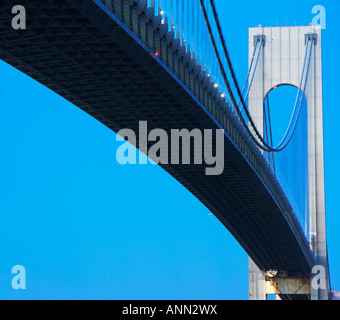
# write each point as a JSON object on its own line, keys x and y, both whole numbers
{"x": 128, "y": 67}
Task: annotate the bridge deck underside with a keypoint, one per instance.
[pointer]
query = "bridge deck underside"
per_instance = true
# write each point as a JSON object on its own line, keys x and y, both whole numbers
{"x": 92, "y": 62}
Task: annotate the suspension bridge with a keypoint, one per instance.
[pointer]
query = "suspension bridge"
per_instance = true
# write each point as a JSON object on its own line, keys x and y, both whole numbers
{"x": 123, "y": 61}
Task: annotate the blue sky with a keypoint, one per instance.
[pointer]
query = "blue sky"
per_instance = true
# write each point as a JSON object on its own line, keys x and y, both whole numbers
{"x": 85, "y": 227}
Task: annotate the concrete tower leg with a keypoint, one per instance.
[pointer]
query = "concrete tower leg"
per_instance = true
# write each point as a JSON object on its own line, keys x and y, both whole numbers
{"x": 281, "y": 63}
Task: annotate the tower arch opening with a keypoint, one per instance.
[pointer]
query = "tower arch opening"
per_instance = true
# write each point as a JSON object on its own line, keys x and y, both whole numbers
{"x": 285, "y": 114}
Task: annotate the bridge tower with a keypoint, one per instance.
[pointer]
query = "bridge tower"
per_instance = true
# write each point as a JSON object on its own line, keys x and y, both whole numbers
{"x": 281, "y": 62}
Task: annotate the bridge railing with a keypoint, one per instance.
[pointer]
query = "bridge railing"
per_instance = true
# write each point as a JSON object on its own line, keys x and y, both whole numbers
{"x": 163, "y": 27}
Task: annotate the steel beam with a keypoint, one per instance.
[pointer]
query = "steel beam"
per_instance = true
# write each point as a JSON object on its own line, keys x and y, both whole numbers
{"x": 288, "y": 286}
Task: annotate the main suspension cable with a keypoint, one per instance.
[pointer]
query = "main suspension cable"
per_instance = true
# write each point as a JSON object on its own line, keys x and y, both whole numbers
{"x": 264, "y": 146}
{"x": 301, "y": 92}
{"x": 232, "y": 97}
{"x": 253, "y": 75}
{"x": 219, "y": 29}
{"x": 249, "y": 71}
